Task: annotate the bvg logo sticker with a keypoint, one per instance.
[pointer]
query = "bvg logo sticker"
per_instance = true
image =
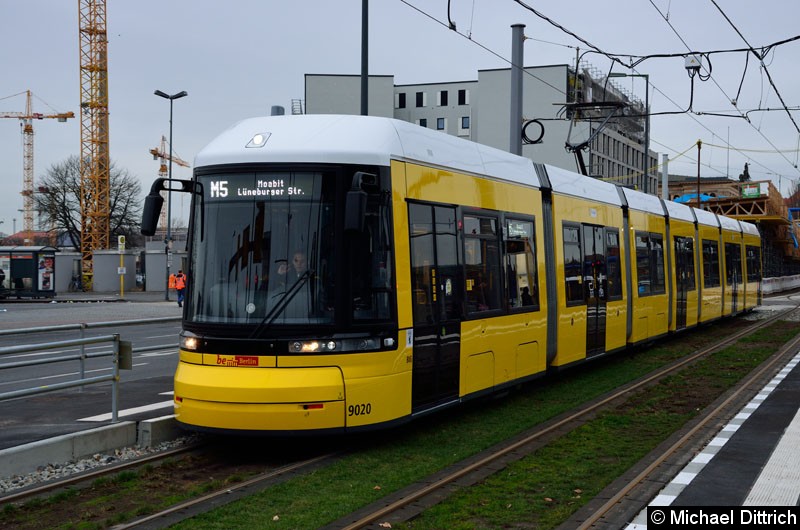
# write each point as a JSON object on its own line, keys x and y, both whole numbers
{"x": 237, "y": 360}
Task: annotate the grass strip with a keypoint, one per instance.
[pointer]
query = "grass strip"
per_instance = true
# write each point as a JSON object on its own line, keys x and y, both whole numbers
{"x": 545, "y": 488}
{"x": 540, "y": 491}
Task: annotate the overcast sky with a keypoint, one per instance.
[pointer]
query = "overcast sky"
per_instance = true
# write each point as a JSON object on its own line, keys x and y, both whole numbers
{"x": 237, "y": 59}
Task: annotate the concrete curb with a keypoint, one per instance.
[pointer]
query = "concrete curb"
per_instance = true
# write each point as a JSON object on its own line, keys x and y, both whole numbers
{"x": 27, "y": 458}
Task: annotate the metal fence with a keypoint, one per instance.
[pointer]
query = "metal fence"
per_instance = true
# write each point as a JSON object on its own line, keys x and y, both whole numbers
{"x": 121, "y": 355}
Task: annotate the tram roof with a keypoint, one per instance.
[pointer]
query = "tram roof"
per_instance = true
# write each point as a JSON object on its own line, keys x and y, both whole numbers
{"x": 749, "y": 228}
{"x": 729, "y": 224}
{"x": 704, "y": 217}
{"x": 576, "y": 185}
{"x": 643, "y": 201}
{"x": 370, "y": 140}
{"x": 680, "y": 211}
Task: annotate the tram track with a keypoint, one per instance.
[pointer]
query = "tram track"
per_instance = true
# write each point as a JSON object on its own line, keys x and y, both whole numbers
{"x": 407, "y": 503}
{"x": 413, "y": 500}
{"x": 54, "y": 485}
{"x": 189, "y": 508}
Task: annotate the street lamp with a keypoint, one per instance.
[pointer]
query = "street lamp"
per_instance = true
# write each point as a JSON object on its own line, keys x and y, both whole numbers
{"x": 168, "y": 238}
{"x": 646, "y": 158}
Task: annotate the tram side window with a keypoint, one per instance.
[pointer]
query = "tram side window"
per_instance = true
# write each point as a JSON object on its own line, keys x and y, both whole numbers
{"x": 650, "y": 263}
{"x": 684, "y": 257}
{"x": 613, "y": 265}
{"x": 733, "y": 264}
{"x": 522, "y": 286}
{"x": 753, "y": 263}
{"x": 710, "y": 263}
{"x": 643, "y": 262}
{"x": 657, "y": 262}
{"x": 422, "y": 267}
{"x": 483, "y": 281}
{"x": 572, "y": 264}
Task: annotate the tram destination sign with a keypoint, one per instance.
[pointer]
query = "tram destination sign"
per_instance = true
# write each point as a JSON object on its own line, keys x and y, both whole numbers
{"x": 239, "y": 187}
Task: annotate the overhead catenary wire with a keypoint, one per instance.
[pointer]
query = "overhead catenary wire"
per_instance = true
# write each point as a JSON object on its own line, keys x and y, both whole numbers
{"x": 761, "y": 133}
{"x": 633, "y": 60}
{"x": 761, "y": 60}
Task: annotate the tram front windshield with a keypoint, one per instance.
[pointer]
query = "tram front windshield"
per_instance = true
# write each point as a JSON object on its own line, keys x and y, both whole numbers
{"x": 265, "y": 251}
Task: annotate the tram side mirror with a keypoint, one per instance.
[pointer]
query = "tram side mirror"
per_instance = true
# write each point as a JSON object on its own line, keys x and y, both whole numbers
{"x": 154, "y": 201}
{"x": 355, "y": 210}
{"x": 151, "y": 212}
{"x": 356, "y": 202}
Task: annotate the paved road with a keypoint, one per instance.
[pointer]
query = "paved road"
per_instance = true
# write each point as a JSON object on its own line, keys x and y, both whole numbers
{"x": 75, "y": 308}
{"x": 34, "y": 418}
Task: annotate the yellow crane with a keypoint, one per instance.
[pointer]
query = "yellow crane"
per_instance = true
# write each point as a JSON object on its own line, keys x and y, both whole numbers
{"x": 162, "y": 154}
{"x": 95, "y": 161}
{"x": 26, "y": 124}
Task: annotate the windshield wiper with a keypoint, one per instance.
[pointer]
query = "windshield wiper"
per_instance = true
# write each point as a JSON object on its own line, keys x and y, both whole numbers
{"x": 282, "y": 303}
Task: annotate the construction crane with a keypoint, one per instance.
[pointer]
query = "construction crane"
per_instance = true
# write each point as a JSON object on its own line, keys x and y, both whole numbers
{"x": 161, "y": 153}
{"x": 95, "y": 162}
{"x": 26, "y": 124}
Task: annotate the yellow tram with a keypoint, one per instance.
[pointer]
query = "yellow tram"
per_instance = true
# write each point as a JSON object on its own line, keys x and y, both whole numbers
{"x": 351, "y": 272}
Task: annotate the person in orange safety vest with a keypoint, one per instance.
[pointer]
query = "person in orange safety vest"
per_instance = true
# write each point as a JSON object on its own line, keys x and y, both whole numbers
{"x": 180, "y": 286}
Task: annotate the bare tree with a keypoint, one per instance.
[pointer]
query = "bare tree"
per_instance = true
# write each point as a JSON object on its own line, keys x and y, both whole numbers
{"x": 58, "y": 202}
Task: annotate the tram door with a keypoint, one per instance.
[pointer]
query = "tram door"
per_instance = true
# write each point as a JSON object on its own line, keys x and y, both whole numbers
{"x": 733, "y": 269}
{"x": 684, "y": 277}
{"x": 436, "y": 288}
{"x": 595, "y": 288}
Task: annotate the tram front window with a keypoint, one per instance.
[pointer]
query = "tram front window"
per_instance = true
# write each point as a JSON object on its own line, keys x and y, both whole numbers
{"x": 265, "y": 249}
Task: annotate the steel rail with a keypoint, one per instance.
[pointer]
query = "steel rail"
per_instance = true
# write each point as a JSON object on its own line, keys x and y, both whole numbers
{"x": 93, "y": 474}
{"x": 712, "y": 415}
{"x": 466, "y": 470}
{"x": 224, "y": 492}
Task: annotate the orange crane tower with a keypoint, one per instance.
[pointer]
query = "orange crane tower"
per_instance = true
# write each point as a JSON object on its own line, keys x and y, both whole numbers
{"x": 26, "y": 123}
{"x": 95, "y": 162}
{"x": 161, "y": 153}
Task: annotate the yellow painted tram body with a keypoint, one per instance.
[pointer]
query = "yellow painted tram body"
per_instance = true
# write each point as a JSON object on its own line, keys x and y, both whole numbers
{"x": 439, "y": 270}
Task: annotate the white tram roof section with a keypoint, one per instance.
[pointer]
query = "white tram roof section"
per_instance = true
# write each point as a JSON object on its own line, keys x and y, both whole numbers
{"x": 679, "y": 211}
{"x": 347, "y": 139}
{"x": 643, "y": 202}
{"x": 749, "y": 228}
{"x": 569, "y": 183}
{"x": 729, "y": 224}
{"x": 704, "y": 217}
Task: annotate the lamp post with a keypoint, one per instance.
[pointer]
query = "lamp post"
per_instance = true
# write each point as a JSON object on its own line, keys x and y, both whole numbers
{"x": 168, "y": 238}
{"x": 646, "y": 157}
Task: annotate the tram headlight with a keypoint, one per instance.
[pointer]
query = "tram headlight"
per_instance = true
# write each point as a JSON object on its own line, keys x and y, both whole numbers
{"x": 189, "y": 342}
{"x": 312, "y": 346}
{"x": 258, "y": 140}
{"x": 335, "y": 346}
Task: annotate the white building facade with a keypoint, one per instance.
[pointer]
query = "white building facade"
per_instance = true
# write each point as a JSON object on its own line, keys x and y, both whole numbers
{"x": 479, "y": 110}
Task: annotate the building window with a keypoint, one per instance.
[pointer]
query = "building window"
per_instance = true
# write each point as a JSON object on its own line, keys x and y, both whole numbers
{"x": 465, "y": 122}
{"x": 420, "y": 99}
{"x": 401, "y": 100}
{"x": 463, "y": 97}
{"x": 442, "y": 97}
{"x": 441, "y": 124}
{"x": 423, "y": 122}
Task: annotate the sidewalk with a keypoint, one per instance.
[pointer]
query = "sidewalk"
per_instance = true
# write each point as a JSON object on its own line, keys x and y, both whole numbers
{"x": 90, "y": 296}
